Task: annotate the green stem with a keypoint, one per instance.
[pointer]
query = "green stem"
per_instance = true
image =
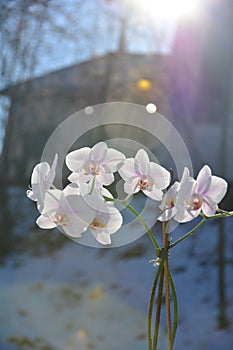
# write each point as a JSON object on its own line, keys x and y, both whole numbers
{"x": 188, "y": 234}
{"x": 151, "y": 305}
{"x": 175, "y": 308}
{"x": 167, "y": 288}
{"x": 133, "y": 211}
{"x": 222, "y": 214}
{"x": 158, "y": 308}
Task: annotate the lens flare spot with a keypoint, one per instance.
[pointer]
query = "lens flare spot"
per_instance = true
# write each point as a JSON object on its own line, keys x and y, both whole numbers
{"x": 151, "y": 108}
{"x": 144, "y": 84}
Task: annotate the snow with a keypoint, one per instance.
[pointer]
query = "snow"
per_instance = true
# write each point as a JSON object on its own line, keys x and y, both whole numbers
{"x": 78, "y": 297}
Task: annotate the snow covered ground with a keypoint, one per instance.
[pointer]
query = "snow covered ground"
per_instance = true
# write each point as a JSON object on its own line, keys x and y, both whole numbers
{"x": 59, "y": 295}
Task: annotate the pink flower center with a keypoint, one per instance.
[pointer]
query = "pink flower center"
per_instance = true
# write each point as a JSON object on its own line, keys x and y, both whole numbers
{"x": 92, "y": 167}
{"x": 170, "y": 202}
{"x": 61, "y": 219}
{"x": 196, "y": 202}
{"x": 98, "y": 222}
{"x": 145, "y": 184}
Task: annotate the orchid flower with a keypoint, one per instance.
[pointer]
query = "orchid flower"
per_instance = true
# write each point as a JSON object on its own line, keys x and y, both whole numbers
{"x": 41, "y": 180}
{"x": 95, "y": 164}
{"x": 202, "y": 194}
{"x": 70, "y": 212}
{"x": 168, "y": 204}
{"x": 75, "y": 211}
{"x": 141, "y": 174}
{"x": 107, "y": 219}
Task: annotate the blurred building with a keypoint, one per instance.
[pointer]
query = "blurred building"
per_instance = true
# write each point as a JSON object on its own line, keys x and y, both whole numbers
{"x": 193, "y": 88}
{"x": 38, "y": 106}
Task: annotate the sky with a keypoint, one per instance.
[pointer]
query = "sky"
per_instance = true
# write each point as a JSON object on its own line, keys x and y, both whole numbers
{"x": 94, "y": 29}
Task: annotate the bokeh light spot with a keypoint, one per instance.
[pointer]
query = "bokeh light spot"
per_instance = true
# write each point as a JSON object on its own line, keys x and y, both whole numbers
{"x": 144, "y": 84}
{"x": 151, "y": 108}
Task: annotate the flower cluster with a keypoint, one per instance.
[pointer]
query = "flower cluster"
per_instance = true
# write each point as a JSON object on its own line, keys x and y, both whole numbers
{"x": 81, "y": 205}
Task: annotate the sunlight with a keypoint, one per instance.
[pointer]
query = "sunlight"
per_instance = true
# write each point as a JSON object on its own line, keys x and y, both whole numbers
{"x": 168, "y": 9}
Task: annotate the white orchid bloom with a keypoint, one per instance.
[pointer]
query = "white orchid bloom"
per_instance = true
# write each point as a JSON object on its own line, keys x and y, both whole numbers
{"x": 202, "y": 194}
{"x": 70, "y": 212}
{"x": 168, "y": 204}
{"x": 41, "y": 180}
{"x": 141, "y": 174}
{"x": 75, "y": 210}
{"x": 96, "y": 164}
{"x": 107, "y": 219}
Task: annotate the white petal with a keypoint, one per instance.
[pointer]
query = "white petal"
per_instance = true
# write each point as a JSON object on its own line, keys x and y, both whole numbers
{"x": 79, "y": 178}
{"x": 130, "y": 188}
{"x": 160, "y": 176}
{"x": 142, "y": 163}
{"x": 101, "y": 237}
{"x": 51, "y": 201}
{"x": 185, "y": 215}
{"x": 77, "y": 207}
{"x": 98, "y": 152}
{"x": 72, "y": 189}
{"x": 45, "y": 222}
{"x": 75, "y": 159}
{"x": 217, "y": 189}
{"x": 115, "y": 221}
{"x": 155, "y": 194}
{"x": 209, "y": 206}
{"x": 39, "y": 172}
{"x": 167, "y": 214}
{"x": 31, "y": 195}
{"x": 113, "y": 160}
{"x": 127, "y": 171}
{"x": 203, "y": 180}
{"x": 76, "y": 227}
{"x": 51, "y": 174}
{"x": 105, "y": 179}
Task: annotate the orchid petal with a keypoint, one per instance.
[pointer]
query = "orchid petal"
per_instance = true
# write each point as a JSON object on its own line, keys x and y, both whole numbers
{"x": 75, "y": 159}
{"x": 104, "y": 178}
{"x": 51, "y": 201}
{"x": 217, "y": 189}
{"x": 114, "y": 222}
{"x": 72, "y": 189}
{"x": 203, "y": 180}
{"x": 127, "y": 170}
{"x": 78, "y": 209}
{"x": 79, "y": 178}
{"x": 186, "y": 215}
{"x": 142, "y": 163}
{"x": 45, "y": 222}
{"x": 102, "y": 237}
{"x": 131, "y": 187}
{"x": 113, "y": 160}
{"x": 209, "y": 206}
{"x": 31, "y": 195}
{"x": 98, "y": 152}
{"x": 167, "y": 214}
{"x": 160, "y": 176}
{"x": 76, "y": 227}
{"x": 155, "y": 194}
{"x": 51, "y": 174}
{"x": 39, "y": 172}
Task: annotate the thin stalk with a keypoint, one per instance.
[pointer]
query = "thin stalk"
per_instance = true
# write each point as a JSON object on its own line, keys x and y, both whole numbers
{"x": 175, "y": 308}
{"x": 188, "y": 234}
{"x": 222, "y": 214}
{"x": 151, "y": 305}
{"x": 133, "y": 211}
{"x": 158, "y": 309}
{"x": 167, "y": 288}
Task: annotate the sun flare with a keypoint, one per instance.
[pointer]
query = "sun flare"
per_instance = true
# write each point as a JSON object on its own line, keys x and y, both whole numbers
{"x": 168, "y": 9}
